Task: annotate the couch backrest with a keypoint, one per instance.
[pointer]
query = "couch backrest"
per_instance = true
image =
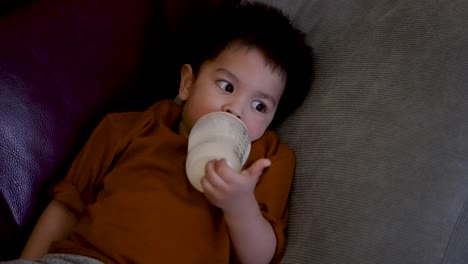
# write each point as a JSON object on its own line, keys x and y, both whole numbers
{"x": 382, "y": 140}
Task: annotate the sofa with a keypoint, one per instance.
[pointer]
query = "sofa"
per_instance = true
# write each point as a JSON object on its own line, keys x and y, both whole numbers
{"x": 381, "y": 139}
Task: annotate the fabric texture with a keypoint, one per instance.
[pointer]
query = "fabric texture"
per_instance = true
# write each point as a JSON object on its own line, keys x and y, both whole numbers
{"x": 129, "y": 190}
{"x": 382, "y": 139}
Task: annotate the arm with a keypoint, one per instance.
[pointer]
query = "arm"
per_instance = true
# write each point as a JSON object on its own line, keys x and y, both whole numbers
{"x": 252, "y": 235}
{"x": 79, "y": 187}
{"x": 233, "y": 193}
{"x": 54, "y": 224}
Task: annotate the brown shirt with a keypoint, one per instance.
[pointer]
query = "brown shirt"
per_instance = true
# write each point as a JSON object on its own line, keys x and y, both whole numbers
{"x": 129, "y": 190}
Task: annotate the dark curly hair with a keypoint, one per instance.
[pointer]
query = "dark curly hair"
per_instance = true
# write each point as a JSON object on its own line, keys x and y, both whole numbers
{"x": 269, "y": 30}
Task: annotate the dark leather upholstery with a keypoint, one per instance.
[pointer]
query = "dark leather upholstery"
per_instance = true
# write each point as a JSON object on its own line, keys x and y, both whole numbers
{"x": 7, "y": 6}
{"x": 63, "y": 65}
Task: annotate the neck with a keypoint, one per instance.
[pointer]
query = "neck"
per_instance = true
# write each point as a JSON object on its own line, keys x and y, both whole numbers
{"x": 183, "y": 129}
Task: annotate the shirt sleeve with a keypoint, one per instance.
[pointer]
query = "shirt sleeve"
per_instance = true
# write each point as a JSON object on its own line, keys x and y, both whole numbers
{"x": 272, "y": 193}
{"x": 84, "y": 179}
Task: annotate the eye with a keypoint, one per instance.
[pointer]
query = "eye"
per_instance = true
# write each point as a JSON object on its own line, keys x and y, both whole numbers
{"x": 259, "y": 106}
{"x": 225, "y": 86}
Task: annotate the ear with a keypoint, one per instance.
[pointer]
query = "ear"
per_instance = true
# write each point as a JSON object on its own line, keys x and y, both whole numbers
{"x": 186, "y": 79}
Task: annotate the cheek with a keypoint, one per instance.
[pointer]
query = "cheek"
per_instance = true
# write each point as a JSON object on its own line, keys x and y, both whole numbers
{"x": 256, "y": 130}
{"x": 254, "y": 136}
{"x": 204, "y": 100}
{"x": 196, "y": 107}
{"x": 191, "y": 113}
{"x": 257, "y": 126}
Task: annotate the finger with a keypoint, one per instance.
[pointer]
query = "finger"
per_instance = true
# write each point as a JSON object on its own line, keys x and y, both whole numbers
{"x": 212, "y": 176}
{"x": 256, "y": 169}
{"x": 224, "y": 171}
{"x": 206, "y": 186}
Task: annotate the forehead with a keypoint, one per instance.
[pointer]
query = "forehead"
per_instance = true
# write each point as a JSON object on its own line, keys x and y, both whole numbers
{"x": 249, "y": 66}
{"x": 238, "y": 46}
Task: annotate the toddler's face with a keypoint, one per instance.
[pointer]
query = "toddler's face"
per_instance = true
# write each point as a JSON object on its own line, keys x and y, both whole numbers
{"x": 237, "y": 81}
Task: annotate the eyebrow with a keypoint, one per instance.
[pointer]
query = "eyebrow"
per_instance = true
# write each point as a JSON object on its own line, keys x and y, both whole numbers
{"x": 267, "y": 97}
{"x": 228, "y": 73}
{"x": 261, "y": 94}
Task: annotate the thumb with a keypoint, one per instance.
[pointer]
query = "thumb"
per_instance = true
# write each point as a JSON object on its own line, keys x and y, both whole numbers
{"x": 256, "y": 169}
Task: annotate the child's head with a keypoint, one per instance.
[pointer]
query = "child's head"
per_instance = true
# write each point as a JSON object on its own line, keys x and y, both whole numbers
{"x": 249, "y": 61}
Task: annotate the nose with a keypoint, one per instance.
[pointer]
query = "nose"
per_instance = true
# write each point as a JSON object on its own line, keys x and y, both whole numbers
{"x": 232, "y": 109}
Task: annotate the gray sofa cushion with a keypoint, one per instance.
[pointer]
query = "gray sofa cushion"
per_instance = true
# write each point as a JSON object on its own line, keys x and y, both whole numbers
{"x": 382, "y": 139}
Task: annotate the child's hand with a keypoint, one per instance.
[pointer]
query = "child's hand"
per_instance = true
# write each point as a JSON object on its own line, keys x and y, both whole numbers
{"x": 229, "y": 190}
